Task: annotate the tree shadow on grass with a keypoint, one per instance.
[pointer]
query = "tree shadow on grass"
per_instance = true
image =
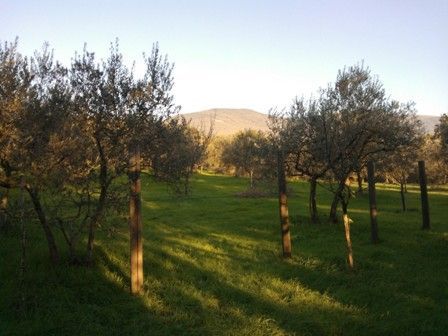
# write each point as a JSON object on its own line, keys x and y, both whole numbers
{"x": 374, "y": 292}
{"x": 72, "y": 300}
{"x": 237, "y": 308}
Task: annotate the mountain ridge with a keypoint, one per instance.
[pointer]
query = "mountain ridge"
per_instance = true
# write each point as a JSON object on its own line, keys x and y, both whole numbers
{"x": 228, "y": 121}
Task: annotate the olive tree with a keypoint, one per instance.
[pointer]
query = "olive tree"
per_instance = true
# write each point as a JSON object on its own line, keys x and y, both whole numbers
{"x": 67, "y": 132}
{"x": 246, "y": 152}
{"x": 350, "y": 122}
{"x": 441, "y": 136}
{"x": 15, "y": 82}
{"x": 120, "y": 111}
{"x": 367, "y": 123}
{"x": 398, "y": 166}
{"x": 180, "y": 148}
{"x": 307, "y": 135}
{"x": 435, "y": 160}
{"x": 33, "y": 152}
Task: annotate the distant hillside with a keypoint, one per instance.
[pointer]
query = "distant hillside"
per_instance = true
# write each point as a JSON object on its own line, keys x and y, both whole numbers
{"x": 429, "y": 122}
{"x": 231, "y": 121}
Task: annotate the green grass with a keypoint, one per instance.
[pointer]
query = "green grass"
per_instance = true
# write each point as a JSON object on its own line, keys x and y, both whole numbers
{"x": 213, "y": 267}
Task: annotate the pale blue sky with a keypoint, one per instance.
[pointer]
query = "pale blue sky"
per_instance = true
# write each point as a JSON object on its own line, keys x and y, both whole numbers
{"x": 253, "y": 54}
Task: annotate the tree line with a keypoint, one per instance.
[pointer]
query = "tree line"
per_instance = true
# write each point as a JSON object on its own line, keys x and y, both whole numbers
{"x": 66, "y": 133}
{"x": 329, "y": 139}
{"x": 332, "y": 139}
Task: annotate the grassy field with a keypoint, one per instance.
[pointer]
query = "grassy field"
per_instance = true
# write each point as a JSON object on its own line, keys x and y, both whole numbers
{"x": 213, "y": 267}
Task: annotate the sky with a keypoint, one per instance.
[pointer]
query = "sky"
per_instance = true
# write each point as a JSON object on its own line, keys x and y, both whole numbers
{"x": 253, "y": 54}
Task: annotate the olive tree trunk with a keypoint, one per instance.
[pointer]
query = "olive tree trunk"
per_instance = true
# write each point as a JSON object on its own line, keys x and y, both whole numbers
{"x": 334, "y": 205}
{"x": 348, "y": 240}
{"x": 312, "y": 201}
{"x": 4, "y": 209}
{"x": 372, "y": 202}
{"x": 101, "y": 205}
{"x": 283, "y": 207}
{"x": 4, "y": 200}
{"x": 35, "y": 198}
{"x": 424, "y": 195}
{"x": 359, "y": 179}
{"x": 402, "y": 194}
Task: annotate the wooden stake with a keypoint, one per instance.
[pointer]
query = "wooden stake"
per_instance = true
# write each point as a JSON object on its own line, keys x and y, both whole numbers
{"x": 135, "y": 221}
{"x": 348, "y": 240}
{"x": 424, "y": 195}
{"x": 372, "y": 200}
{"x": 283, "y": 207}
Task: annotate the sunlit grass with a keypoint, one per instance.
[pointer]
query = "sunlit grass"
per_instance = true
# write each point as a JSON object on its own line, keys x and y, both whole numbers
{"x": 213, "y": 266}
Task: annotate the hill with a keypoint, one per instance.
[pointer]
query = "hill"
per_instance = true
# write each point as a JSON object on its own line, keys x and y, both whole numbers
{"x": 429, "y": 122}
{"x": 231, "y": 121}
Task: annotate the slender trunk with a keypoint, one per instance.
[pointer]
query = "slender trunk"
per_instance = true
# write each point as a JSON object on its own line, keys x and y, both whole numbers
{"x": 334, "y": 205}
{"x": 54, "y": 254}
{"x": 4, "y": 201}
{"x": 251, "y": 179}
{"x": 4, "y": 209}
{"x": 312, "y": 201}
{"x": 359, "y": 178}
{"x": 187, "y": 184}
{"x": 71, "y": 250}
{"x": 7, "y": 170}
{"x": 334, "y": 209}
{"x": 70, "y": 240}
{"x": 93, "y": 223}
{"x": 98, "y": 214}
{"x": 403, "y": 199}
{"x": 372, "y": 202}
{"x": 283, "y": 207}
{"x": 424, "y": 195}
{"x": 348, "y": 240}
